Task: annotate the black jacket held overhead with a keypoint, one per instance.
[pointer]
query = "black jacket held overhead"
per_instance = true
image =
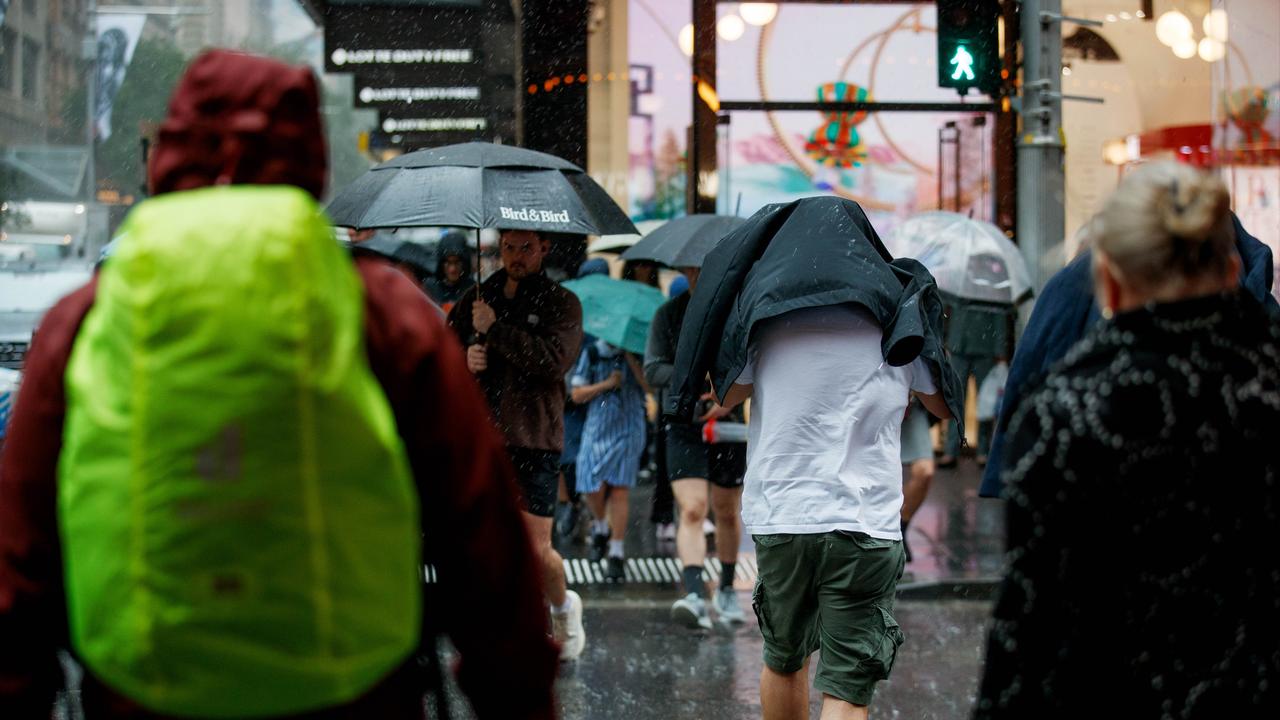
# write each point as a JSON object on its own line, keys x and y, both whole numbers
{"x": 813, "y": 252}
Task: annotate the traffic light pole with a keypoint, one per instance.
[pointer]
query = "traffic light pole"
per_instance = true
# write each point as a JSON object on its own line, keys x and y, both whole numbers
{"x": 1041, "y": 217}
{"x": 700, "y": 188}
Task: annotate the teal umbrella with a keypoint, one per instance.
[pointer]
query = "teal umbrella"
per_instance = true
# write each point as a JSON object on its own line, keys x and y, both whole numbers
{"x": 617, "y": 311}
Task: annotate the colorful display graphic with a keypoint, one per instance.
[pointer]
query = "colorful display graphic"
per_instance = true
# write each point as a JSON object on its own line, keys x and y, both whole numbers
{"x": 1248, "y": 111}
{"x": 837, "y": 143}
{"x": 885, "y": 162}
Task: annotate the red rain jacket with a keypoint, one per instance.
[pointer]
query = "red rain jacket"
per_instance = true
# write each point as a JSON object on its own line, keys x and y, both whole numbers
{"x": 222, "y": 129}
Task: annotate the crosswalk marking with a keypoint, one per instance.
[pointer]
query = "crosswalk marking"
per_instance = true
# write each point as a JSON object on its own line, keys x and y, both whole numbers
{"x": 641, "y": 571}
{"x": 711, "y": 570}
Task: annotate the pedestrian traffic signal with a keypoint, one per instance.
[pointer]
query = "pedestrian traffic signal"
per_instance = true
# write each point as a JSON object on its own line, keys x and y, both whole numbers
{"x": 969, "y": 45}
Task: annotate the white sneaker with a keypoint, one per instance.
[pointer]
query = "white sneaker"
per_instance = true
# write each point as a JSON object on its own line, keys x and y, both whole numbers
{"x": 567, "y": 628}
{"x": 666, "y": 532}
{"x": 708, "y": 527}
{"x": 691, "y": 611}
{"x": 728, "y": 609}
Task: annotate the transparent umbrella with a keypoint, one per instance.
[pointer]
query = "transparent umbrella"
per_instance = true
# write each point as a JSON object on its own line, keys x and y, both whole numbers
{"x": 970, "y": 259}
{"x": 619, "y": 243}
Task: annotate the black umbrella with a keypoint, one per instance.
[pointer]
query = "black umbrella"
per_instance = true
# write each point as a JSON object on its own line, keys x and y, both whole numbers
{"x": 683, "y": 242}
{"x": 480, "y": 185}
{"x": 417, "y": 256}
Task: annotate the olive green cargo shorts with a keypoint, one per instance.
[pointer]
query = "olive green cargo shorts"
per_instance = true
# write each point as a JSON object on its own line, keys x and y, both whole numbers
{"x": 832, "y": 592}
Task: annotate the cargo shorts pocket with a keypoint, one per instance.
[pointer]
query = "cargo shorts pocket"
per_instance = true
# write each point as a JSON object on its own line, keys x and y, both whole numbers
{"x": 760, "y": 608}
{"x": 770, "y": 557}
{"x": 884, "y": 647}
{"x": 771, "y": 541}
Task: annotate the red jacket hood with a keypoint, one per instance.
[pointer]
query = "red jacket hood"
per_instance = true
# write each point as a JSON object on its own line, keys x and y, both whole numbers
{"x": 240, "y": 119}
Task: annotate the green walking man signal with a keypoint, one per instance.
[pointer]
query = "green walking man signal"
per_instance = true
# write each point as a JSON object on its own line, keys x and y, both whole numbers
{"x": 964, "y": 64}
{"x": 969, "y": 52}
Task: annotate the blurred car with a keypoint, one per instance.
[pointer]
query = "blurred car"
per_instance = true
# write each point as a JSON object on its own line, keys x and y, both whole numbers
{"x": 27, "y": 291}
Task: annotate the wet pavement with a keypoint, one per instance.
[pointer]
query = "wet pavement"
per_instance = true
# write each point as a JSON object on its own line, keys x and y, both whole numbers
{"x": 638, "y": 665}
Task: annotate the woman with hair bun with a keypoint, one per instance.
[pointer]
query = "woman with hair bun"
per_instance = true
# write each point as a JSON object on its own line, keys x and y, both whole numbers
{"x": 1142, "y": 484}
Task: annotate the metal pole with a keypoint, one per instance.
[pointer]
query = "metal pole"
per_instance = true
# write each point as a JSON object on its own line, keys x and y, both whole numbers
{"x": 89, "y": 51}
{"x": 1041, "y": 176}
{"x": 702, "y": 141}
{"x": 870, "y": 107}
{"x": 723, "y": 119}
{"x": 1005, "y": 143}
{"x": 957, "y": 168}
{"x": 517, "y": 9}
{"x": 941, "y": 141}
{"x": 155, "y": 10}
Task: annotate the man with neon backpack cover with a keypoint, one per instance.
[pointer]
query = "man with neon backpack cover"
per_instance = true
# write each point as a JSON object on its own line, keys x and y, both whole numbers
{"x": 235, "y": 444}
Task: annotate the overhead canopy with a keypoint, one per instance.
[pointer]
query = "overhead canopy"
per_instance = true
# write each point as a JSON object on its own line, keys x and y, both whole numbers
{"x": 42, "y": 172}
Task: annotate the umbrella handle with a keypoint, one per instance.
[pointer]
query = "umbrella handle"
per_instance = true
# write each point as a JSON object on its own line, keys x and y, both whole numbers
{"x": 479, "y": 336}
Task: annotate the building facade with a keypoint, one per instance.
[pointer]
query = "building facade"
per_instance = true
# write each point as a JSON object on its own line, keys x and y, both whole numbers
{"x": 24, "y": 95}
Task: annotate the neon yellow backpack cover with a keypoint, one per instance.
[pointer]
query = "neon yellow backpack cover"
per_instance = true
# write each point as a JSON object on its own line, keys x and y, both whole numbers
{"x": 239, "y": 526}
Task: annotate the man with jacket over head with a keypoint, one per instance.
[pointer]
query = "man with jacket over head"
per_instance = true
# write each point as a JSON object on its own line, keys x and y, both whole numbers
{"x": 804, "y": 311}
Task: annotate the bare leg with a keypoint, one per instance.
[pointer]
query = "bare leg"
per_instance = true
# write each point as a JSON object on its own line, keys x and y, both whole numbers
{"x": 691, "y": 498}
{"x": 617, "y": 512}
{"x": 727, "y": 502}
{"x": 595, "y": 502}
{"x": 785, "y": 696}
{"x": 553, "y": 583}
{"x": 837, "y": 709}
{"x": 916, "y": 487}
{"x": 563, "y": 494}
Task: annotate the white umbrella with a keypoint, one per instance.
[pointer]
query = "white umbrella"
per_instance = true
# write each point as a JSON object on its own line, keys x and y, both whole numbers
{"x": 970, "y": 259}
{"x": 619, "y": 243}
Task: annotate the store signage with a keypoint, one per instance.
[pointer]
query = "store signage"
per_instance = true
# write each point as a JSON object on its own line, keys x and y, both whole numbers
{"x": 435, "y": 125}
{"x": 359, "y": 58}
{"x": 389, "y": 39}
{"x": 372, "y": 96}
{"x": 437, "y": 72}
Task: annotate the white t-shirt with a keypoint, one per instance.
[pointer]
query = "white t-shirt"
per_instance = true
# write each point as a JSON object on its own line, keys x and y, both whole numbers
{"x": 826, "y": 421}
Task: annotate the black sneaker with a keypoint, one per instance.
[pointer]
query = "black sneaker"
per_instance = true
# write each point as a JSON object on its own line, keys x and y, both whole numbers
{"x": 599, "y": 548}
{"x": 566, "y": 520}
{"x": 616, "y": 570}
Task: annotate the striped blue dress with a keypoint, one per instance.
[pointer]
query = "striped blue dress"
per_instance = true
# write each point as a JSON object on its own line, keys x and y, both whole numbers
{"x": 613, "y": 435}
